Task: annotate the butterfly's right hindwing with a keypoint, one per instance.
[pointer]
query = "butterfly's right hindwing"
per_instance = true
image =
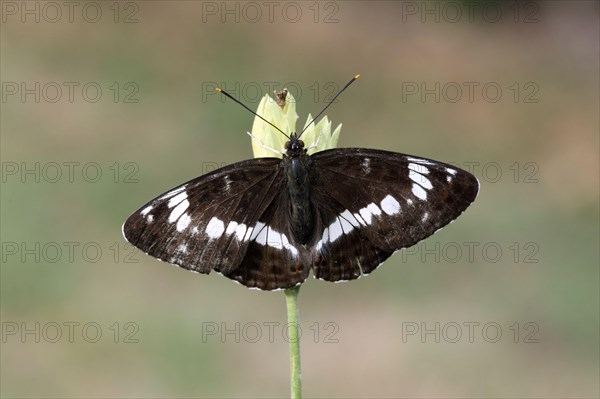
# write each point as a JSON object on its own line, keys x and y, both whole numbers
{"x": 208, "y": 222}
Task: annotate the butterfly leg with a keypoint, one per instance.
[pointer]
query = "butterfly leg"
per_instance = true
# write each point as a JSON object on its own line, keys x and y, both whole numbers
{"x": 263, "y": 145}
{"x": 316, "y": 142}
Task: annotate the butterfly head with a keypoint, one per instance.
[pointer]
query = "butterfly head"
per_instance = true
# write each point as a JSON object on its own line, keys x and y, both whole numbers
{"x": 294, "y": 147}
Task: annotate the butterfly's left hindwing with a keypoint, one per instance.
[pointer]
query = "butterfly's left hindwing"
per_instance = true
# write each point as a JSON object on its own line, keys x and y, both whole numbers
{"x": 371, "y": 203}
{"x": 208, "y": 222}
{"x": 274, "y": 260}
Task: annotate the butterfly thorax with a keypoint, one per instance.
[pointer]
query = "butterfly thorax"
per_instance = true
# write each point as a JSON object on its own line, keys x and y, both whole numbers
{"x": 297, "y": 164}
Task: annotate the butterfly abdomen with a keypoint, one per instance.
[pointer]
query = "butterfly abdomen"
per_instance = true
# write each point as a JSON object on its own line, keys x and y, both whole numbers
{"x": 301, "y": 213}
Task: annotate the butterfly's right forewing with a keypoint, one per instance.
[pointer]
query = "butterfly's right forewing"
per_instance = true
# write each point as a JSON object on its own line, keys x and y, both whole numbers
{"x": 208, "y": 222}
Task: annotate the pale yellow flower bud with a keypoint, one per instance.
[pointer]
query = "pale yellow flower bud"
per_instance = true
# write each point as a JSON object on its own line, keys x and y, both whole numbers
{"x": 285, "y": 118}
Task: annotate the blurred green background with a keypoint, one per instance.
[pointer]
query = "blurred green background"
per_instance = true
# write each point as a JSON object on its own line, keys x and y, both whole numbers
{"x": 529, "y": 131}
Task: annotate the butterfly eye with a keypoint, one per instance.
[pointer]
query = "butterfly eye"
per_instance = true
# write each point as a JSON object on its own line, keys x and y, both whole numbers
{"x": 287, "y": 145}
{"x": 301, "y": 143}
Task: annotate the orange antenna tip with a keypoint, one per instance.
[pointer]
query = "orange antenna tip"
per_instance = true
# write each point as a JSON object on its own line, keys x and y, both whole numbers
{"x": 357, "y": 76}
{"x": 219, "y": 89}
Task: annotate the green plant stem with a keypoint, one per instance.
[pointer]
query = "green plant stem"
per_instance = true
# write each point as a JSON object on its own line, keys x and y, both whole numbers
{"x": 291, "y": 298}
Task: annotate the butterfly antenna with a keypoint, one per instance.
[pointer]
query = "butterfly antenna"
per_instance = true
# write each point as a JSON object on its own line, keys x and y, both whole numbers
{"x": 330, "y": 102}
{"x": 253, "y": 113}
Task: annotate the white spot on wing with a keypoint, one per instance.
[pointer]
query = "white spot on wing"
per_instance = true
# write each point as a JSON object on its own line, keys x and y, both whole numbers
{"x": 368, "y": 212}
{"x": 183, "y": 222}
{"x": 176, "y": 199}
{"x": 324, "y": 239}
{"x": 288, "y": 246}
{"x": 248, "y": 234}
{"x": 325, "y": 235}
{"x": 346, "y": 226}
{"x": 265, "y": 235}
{"x": 178, "y": 211}
{"x": 350, "y": 218}
{"x": 425, "y": 216}
{"x": 274, "y": 238}
{"x": 335, "y": 230}
{"x": 427, "y": 183}
{"x": 261, "y": 237}
{"x": 420, "y": 161}
{"x": 240, "y": 231}
{"x": 146, "y": 210}
{"x": 419, "y": 192}
{"x": 374, "y": 209}
{"x": 172, "y": 193}
{"x": 451, "y": 171}
{"x": 423, "y": 170}
{"x": 182, "y": 248}
{"x": 420, "y": 179}
{"x": 231, "y": 227}
{"x": 258, "y": 227}
{"x": 366, "y": 165}
{"x": 150, "y": 218}
{"x": 366, "y": 215}
{"x": 359, "y": 218}
{"x": 390, "y": 205}
{"x": 227, "y": 181}
{"x": 215, "y": 228}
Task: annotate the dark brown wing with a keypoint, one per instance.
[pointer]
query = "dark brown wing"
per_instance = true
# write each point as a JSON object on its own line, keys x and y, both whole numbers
{"x": 371, "y": 203}
{"x": 209, "y": 222}
{"x": 273, "y": 260}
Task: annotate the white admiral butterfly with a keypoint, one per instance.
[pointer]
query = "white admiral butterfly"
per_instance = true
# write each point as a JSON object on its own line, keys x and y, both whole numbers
{"x": 266, "y": 222}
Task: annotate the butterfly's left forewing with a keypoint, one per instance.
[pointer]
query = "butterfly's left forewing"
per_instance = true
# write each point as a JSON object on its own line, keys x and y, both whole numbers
{"x": 209, "y": 222}
{"x": 380, "y": 202}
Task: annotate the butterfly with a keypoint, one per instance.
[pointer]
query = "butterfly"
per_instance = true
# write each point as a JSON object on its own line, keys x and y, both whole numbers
{"x": 267, "y": 222}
